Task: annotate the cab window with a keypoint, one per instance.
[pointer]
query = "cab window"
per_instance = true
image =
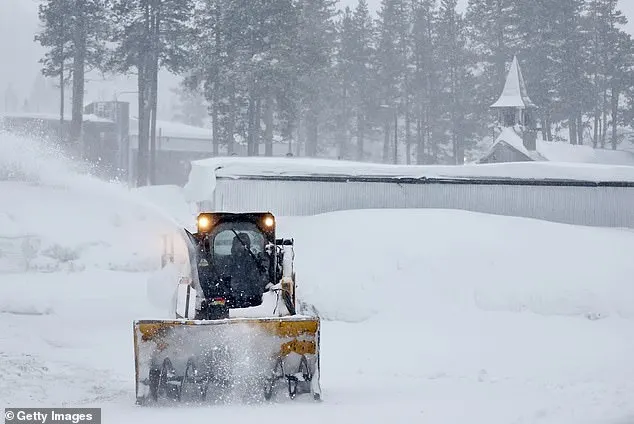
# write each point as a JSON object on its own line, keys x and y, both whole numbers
{"x": 224, "y": 240}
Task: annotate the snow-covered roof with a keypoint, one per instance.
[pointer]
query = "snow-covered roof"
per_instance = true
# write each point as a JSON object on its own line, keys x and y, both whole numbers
{"x": 515, "y": 93}
{"x": 202, "y": 178}
{"x": 55, "y": 117}
{"x": 564, "y": 152}
{"x": 174, "y": 130}
{"x": 510, "y": 137}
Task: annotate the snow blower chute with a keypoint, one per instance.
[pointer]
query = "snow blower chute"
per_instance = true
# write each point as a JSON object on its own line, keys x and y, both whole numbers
{"x": 236, "y": 334}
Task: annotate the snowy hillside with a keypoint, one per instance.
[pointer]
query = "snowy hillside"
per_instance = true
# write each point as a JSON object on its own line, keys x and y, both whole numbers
{"x": 429, "y": 316}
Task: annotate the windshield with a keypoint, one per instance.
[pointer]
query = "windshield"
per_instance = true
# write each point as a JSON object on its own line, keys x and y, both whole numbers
{"x": 224, "y": 238}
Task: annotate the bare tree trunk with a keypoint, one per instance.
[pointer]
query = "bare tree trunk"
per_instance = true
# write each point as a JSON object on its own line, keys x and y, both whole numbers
{"x": 153, "y": 111}
{"x": 546, "y": 130}
{"x": 395, "y": 137}
{"x": 231, "y": 123}
{"x": 360, "y": 136}
{"x": 257, "y": 127}
{"x": 312, "y": 133}
{"x": 144, "y": 83}
{"x": 343, "y": 142}
{"x": 420, "y": 142}
{"x": 215, "y": 125}
{"x": 500, "y": 57}
{"x": 579, "y": 129}
{"x": 615, "y": 117}
{"x": 215, "y": 112}
{"x": 408, "y": 138}
{"x": 155, "y": 28}
{"x": 386, "y": 141}
{"x": 454, "y": 115}
{"x": 143, "y": 145}
{"x": 604, "y": 133}
{"x": 298, "y": 143}
{"x": 595, "y": 135}
{"x": 79, "y": 59}
{"x": 268, "y": 122}
{"x": 251, "y": 125}
{"x": 61, "y": 98}
{"x": 600, "y": 129}
{"x": 572, "y": 129}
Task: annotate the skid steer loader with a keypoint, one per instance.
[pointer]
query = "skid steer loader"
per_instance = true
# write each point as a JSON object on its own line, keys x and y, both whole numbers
{"x": 236, "y": 334}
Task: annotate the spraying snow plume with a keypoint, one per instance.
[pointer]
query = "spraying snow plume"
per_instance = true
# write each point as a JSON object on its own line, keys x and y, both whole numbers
{"x": 73, "y": 219}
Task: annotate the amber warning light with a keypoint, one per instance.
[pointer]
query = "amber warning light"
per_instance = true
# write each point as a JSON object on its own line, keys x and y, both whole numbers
{"x": 204, "y": 223}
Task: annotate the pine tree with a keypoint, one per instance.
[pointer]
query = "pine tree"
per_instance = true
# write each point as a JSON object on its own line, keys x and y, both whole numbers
{"x": 569, "y": 55}
{"x": 392, "y": 66}
{"x": 608, "y": 59}
{"x": 492, "y": 25}
{"x": 345, "y": 73}
{"x": 363, "y": 69}
{"x": 151, "y": 34}
{"x": 536, "y": 53}
{"x": 75, "y": 34}
{"x": 425, "y": 77}
{"x": 317, "y": 35}
{"x": 456, "y": 78}
{"x": 621, "y": 77}
{"x": 211, "y": 71}
{"x": 245, "y": 64}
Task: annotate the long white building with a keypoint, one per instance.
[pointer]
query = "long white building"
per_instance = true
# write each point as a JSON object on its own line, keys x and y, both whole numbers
{"x": 576, "y": 194}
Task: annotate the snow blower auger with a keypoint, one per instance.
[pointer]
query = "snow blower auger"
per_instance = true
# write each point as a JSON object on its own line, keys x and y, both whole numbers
{"x": 236, "y": 334}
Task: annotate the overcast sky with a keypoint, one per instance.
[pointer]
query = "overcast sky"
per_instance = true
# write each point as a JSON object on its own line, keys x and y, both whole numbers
{"x": 19, "y": 54}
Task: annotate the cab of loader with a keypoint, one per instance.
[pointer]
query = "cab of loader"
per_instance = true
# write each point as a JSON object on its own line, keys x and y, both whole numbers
{"x": 236, "y": 258}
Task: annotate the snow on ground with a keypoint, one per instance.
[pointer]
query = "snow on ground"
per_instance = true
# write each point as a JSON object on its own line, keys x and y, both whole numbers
{"x": 429, "y": 316}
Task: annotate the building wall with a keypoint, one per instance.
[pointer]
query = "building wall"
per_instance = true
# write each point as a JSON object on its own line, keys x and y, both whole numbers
{"x": 584, "y": 205}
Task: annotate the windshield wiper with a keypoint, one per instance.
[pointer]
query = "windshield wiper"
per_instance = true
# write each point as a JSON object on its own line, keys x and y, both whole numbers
{"x": 257, "y": 262}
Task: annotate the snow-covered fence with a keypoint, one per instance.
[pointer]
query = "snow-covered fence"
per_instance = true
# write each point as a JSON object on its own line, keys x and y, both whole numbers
{"x": 594, "y": 196}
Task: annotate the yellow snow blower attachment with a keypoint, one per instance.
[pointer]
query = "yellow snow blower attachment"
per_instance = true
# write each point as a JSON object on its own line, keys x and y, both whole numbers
{"x": 236, "y": 334}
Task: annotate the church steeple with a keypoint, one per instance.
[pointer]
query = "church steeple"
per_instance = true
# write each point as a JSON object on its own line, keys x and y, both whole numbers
{"x": 515, "y": 94}
{"x": 515, "y": 107}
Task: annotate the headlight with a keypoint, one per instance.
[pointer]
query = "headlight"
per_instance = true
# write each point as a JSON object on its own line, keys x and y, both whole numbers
{"x": 269, "y": 221}
{"x": 204, "y": 223}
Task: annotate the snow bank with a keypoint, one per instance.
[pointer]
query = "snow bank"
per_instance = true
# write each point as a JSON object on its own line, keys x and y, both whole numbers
{"x": 72, "y": 220}
{"x": 357, "y": 265}
{"x": 440, "y": 316}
